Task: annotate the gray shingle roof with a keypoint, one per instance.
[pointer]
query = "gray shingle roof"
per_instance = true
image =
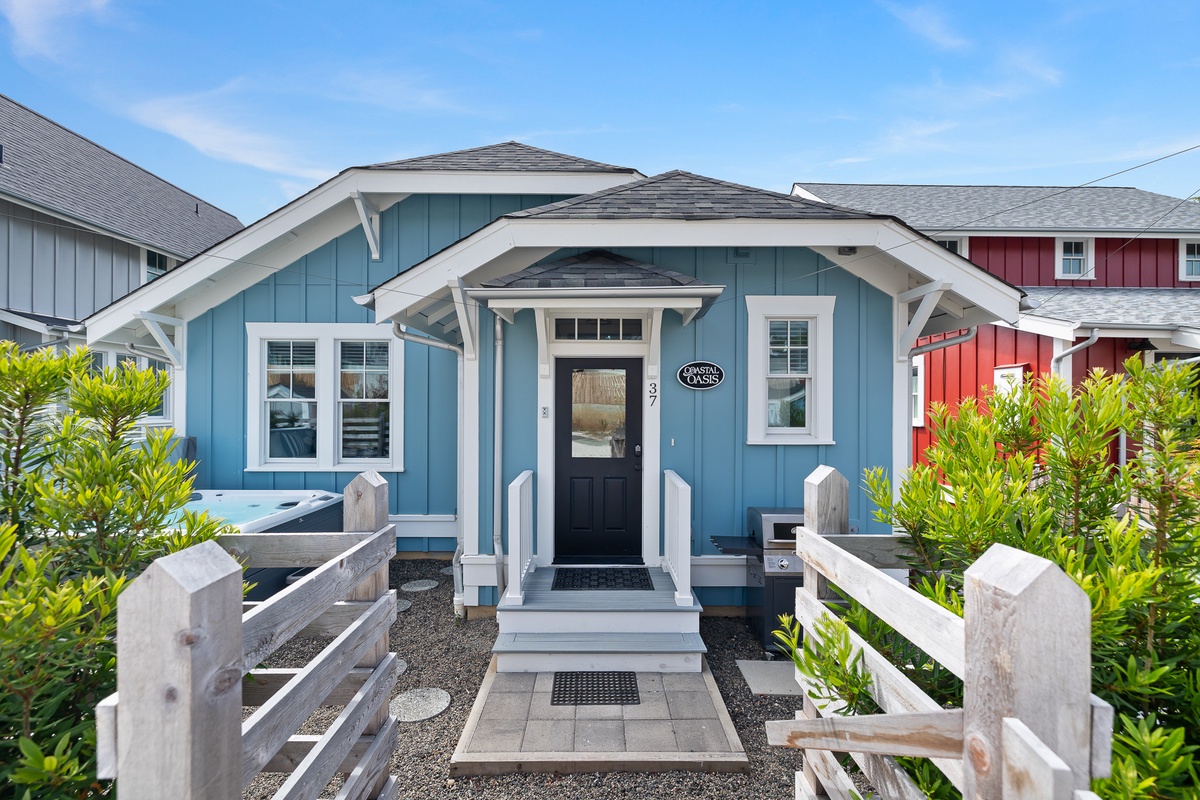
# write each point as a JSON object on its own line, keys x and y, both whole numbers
{"x": 1013, "y": 208}
{"x": 49, "y": 166}
{"x": 54, "y": 322}
{"x": 503, "y": 157}
{"x": 682, "y": 195}
{"x": 1160, "y": 307}
{"x": 593, "y": 269}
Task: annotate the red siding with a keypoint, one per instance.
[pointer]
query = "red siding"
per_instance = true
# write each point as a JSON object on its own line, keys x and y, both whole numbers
{"x": 1030, "y": 260}
{"x": 960, "y": 370}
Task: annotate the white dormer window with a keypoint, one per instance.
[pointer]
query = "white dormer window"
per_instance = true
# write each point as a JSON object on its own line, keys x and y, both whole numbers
{"x": 1189, "y": 260}
{"x": 1075, "y": 260}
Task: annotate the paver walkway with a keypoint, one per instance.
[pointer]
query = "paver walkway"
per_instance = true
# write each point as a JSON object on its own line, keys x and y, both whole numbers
{"x": 680, "y": 723}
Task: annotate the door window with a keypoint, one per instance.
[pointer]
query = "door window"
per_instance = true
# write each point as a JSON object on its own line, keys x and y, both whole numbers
{"x": 598, "y": 413}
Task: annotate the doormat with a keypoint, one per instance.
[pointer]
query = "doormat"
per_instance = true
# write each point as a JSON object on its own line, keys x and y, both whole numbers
{"x": 595, "y": 689}
{"x": 637, "y": 578}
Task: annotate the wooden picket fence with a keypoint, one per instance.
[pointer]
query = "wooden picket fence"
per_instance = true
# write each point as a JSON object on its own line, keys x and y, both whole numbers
{"x": 1029, "y": 727}
{"x": 189, "y": 652}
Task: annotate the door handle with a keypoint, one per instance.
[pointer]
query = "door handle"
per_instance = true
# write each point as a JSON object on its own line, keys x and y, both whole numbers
{"x": 637, "y": 451}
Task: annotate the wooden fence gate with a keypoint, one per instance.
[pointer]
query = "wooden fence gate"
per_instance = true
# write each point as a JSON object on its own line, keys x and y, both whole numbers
{"x": 1029, "y": 727}
{"x": 189, "y": 652}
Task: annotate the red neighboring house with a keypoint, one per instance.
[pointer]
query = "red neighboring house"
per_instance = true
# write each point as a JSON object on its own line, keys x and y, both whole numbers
{"x": 1109, "y": 272}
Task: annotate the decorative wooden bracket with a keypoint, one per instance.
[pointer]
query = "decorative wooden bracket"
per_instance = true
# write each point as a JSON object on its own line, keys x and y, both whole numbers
{"x": 466, "y": 320}
{"x": 368, "y": 214}
{"x": 154, "y": 323}
{"x": 929, "y": 294}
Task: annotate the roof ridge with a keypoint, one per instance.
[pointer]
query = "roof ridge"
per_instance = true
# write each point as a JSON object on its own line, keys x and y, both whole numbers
{"x": 511, "y": 142}
{"x": 118, "y": 156}
{"x": 971, "y": 186}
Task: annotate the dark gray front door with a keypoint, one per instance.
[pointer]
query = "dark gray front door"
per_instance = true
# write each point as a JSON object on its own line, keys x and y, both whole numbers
{"x": 598, "y": 460}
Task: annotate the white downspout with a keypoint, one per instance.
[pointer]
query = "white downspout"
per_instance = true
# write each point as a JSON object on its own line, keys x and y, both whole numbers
{"x": 1058, "y": 359}
{"x": 953, "y": 340}
{"x": 497, "y": 457}
{"x": 460, "y": 610}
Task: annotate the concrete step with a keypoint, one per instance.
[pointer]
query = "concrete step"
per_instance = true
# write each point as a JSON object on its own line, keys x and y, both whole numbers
{"x": 531, "y": 619}
{"x": 605, "y": 650}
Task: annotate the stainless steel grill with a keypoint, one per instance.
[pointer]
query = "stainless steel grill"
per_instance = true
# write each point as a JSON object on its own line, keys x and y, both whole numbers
{"x": 773, "y": 571}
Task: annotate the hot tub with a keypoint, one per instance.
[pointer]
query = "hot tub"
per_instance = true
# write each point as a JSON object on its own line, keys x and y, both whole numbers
{"x": 271, "y": 511}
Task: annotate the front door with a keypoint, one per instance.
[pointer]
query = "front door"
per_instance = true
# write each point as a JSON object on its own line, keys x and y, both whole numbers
{"x": 598, "y": 460}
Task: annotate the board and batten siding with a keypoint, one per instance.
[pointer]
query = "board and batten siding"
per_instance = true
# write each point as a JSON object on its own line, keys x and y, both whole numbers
{"x": 1030, "y": 261}
{"x": 703, "y": 433}
{"x": 54, "y": 268}
{"x": 318, "y": 288}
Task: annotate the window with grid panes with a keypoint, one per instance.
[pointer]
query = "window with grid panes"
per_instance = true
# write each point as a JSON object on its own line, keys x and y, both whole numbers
{"x": 364, "y": 413}
{"x": 787, "y": 373}
{"x": 291, "y": 399}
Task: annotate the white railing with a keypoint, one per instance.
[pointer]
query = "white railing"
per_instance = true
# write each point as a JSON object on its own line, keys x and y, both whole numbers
{"x": 520, "y": 536}
{"x": 1029, "y": 726}
{"x": 677, "y": 535}
{"x": 188, "y": 656}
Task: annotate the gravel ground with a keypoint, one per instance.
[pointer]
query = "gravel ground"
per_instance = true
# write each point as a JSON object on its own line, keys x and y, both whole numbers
{"x": 454, "y": 657}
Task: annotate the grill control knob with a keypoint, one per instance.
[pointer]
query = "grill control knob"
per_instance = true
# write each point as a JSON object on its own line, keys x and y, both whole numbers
{"x": 783, "y": 563}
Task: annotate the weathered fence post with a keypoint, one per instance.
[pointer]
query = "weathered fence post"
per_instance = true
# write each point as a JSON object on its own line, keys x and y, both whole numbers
{"x": 179, "y": 647}
{"x": 1028, "y": 655}
{"x": 826, "y": 510}
{"x": 365, "y": 508}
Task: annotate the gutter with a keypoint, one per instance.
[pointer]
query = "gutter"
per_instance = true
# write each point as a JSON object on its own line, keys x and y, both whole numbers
{"x": 1091, "y": 340}
{"x": 931, "y": 346}
{"x": 398, "y": 331}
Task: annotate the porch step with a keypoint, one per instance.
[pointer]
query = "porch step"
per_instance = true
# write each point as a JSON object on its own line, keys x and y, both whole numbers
{"x": 589, "y": 651}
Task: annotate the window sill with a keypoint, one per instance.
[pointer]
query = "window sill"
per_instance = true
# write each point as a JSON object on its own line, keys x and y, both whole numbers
{"x": 1074, "y": 277}
{"x": 791, "y": 440}
{"x": 378, "y": 466}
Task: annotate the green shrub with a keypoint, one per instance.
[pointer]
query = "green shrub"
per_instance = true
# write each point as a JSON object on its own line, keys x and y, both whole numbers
{"x": 1032, "y": 469}
{"x": 84, "y": 506}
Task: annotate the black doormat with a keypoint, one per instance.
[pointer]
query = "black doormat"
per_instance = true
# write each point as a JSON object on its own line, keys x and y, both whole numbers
{"x": 637, "y": 578}
{"x": 595, "y": 689}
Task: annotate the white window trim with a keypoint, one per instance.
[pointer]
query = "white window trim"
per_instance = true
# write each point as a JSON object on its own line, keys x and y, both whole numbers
{"x": 918, "y": 367}
{"x": 819, "y": 310}
{"x": 1183, "y": 276}
{"x": 113, "y": 358}
{"x": 326, "y": 335}
{"x": 1089, "y": 259}
{"x": 964, "y": 244}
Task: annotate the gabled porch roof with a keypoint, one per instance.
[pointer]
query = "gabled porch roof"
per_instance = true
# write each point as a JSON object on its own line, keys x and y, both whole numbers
{"x": 1170, "y": 316}
{"x": 679, "y": 209}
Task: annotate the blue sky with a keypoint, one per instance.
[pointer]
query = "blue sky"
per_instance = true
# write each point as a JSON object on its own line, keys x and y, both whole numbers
{"x": 248, "y": 104}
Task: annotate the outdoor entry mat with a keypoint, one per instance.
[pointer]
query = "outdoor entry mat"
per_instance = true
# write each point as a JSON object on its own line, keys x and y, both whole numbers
{"x": 595, "y": 689}
{"x": 602, "y": 578}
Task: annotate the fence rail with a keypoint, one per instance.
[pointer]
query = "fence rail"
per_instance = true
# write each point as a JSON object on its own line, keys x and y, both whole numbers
{"x": 1029, "y": 726}
{"x": 188, "y": 656}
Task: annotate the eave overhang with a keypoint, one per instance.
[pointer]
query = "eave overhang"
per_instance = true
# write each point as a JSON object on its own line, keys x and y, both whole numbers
{"x": 324, "y": 213}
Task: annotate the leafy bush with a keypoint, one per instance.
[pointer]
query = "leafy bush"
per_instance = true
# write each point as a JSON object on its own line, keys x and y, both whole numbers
{"x": 84, "y": 506}
{"x": 1032, "y": 469}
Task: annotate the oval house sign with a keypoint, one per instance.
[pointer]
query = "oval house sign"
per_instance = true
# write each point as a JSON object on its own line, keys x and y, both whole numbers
{"x": 700, "y": 375}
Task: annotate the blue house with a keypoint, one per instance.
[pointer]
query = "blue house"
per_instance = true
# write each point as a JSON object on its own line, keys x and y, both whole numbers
{"x": 557, "y": 362}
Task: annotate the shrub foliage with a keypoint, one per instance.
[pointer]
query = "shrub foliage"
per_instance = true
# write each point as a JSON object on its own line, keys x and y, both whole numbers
{"x": 1033, "y": 468}
{"x": 85, "y": 505}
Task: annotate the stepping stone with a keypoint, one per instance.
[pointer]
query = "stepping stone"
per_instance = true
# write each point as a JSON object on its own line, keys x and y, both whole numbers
{"x": 419, "y": 704}
{"x": 447, "y": 570}
{"x": 418, "y": 586}
{"x": 403, "y": 604}
{"x": 401, "y": 667}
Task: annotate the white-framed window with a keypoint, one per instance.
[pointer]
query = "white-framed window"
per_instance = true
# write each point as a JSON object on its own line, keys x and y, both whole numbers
{"x": 157, "y": 265}
{"x": 323, "y": 396}
{"x": 1075, "y": 259}
{"x": 917, "y": 390}
{"x": 956, "y": 244}
{"x": 790, "y": 363}
{"x": 1189, "y": 260}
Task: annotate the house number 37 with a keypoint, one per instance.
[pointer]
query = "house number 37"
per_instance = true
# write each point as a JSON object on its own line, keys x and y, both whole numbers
{"x": 653, "y": 393}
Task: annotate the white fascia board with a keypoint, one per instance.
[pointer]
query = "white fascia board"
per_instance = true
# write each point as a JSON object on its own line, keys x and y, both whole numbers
{"x": 24, "y": 323}
{"x": 478, "y": 256}
{"x": 1186, "y": 337}
{"x": 1044, "y": 326}
{"x": 271, "y": 237}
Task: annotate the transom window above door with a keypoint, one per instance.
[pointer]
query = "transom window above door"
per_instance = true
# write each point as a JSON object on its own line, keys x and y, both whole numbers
{"x": 628, "y": 329}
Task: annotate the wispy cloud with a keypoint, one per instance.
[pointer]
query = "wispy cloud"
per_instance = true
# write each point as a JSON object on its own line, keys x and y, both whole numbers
{"x": 206, "y": 122}
{"x": 839, "y": 162}
{"x": 391, "y": 90}
{"x": 1014, "y": 74}
{"x": 909, "y": 136}
{"x": 36, "y": 24}
{"x": 929, "y": 23}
